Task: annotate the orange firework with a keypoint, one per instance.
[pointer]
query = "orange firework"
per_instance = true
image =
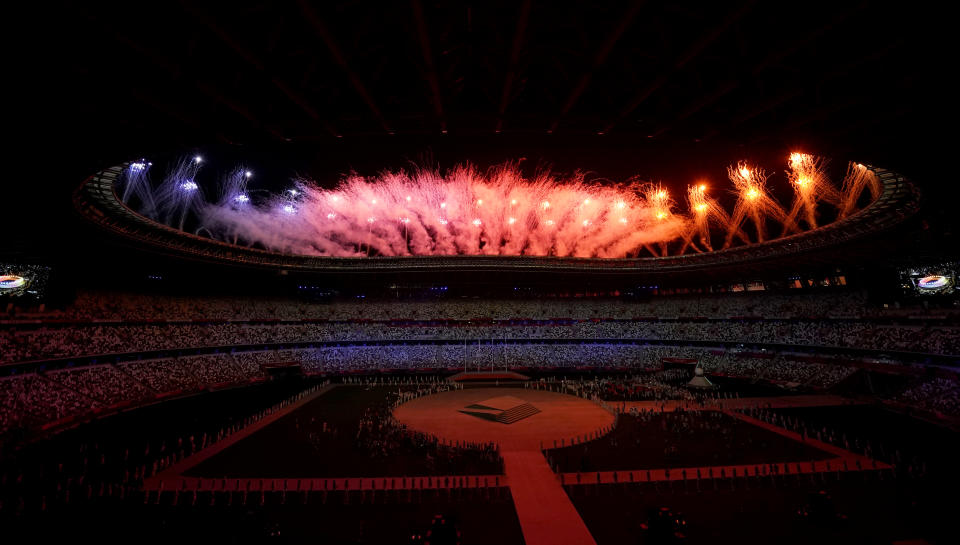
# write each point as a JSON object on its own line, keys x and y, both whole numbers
{"x": 808, "y": 178}
{"x": 660, "y": 206}
{"x": 753, "y": 200}
{"x": 858, "y": 178}
{"x": 659, "y": 200}
{"x": 705, "y": 212}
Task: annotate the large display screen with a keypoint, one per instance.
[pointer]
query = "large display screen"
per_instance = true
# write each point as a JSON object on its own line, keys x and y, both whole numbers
{"x": 26, "y": 281}
{"x": 938, "y": 279}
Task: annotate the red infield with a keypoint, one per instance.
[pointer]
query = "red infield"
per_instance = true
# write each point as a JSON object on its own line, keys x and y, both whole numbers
{"x": 561, "y": 416}
{"x": 545, "y": 512}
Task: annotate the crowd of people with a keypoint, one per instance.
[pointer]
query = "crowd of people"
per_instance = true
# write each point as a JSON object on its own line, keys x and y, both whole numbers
{"x": 779, "y": 368}
{"x": 473, "y": 355}
{"x": 380, "y": 435}
{"x": 432, "y": 334}
{"x": 656, "y": 386}
{"x": 656, "y": 438}
{"x": 125, "y": 306}
{"x": 51, "y": 341}
{"x": 940, "y": 395}
{"x": 111, "y": 458}
{"x": 38, "y": 398}
{"x": 43, "y": 397}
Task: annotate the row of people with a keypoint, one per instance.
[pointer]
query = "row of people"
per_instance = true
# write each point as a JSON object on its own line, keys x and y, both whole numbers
{"x": 52, "y": 342}
{"x": 37, "y": 398}
{"x": 940, "y": 395}
{"x": 93, "y": 305}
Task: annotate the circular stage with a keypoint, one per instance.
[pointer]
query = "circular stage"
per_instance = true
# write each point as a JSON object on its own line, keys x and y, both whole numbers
{"x": 515, "y": 418}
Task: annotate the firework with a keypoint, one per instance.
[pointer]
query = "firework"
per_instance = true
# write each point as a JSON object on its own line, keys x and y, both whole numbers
{"x": 807, "y": 176}
{"x": 659, "y": 199}
{"x": 706, "y": 213}
{"x": 179, "y": 195}
{"x": 858, "y": 178}
{"x": 135, "y": 182}
{"x": 753, "y": 200}
{"x": 466, "y": 211}
{"x": 463, "y": 212}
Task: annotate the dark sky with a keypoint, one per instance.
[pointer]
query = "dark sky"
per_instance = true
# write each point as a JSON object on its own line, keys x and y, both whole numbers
{"x": 678, "y": 90}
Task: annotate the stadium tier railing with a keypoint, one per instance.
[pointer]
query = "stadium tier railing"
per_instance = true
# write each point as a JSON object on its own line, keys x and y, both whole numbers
{"x": 96, "y": 199}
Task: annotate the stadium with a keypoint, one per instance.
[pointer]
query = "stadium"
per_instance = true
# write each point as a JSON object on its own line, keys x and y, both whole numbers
{"x": 466, "y": 274}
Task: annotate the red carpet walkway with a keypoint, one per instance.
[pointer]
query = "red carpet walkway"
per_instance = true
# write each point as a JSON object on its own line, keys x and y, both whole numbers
{"x": 851, "y": 457}
{"x": 716, "y": 472}
{"x": 844, "y": 461}
{"x": 199, "y": 484}
{"x": 176, "y": 469}
{"x": 546, "y": 514}
{"x": 547, "y": 517}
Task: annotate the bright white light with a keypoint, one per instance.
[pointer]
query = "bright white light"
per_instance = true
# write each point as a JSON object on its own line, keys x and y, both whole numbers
{"x": 443, "y": 222}
{"x": 331, "y": 215}
{"x": 241, "y": 198}
{"x": 621, "y": 205}
{"x": 137, "y": 167}
{"x": 545, "y": 204}
{"x": 371, "y": 220}
{"x": 511, "y": 221}
{"x": 408, "y": 198}
{"x": 374, "y": 201}
{"x": 477, "y": 222}
{"x": 189, "y": 185}
{"x": 513, "y": 202}
{"x": 248, "y": 174}
{"x": 586, "y": 201}
{"x": 443, "y": 205}
{"x": 586, "y": 223}
{"x": 623, "y": 220}
{"x": 198, "y": 159}
{"x": 293, "y": 192}
{"x": 479, "y": 202}
{"x": 290, "y": 209}
{"x": 404, "y": 220}
{"x": 549, "y": 222}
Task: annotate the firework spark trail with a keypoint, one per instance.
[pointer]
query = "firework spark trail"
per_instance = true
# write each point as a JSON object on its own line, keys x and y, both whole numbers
{"x": 136, "y": 183}
{"x": 496, "y": 212}
{"x": 234, "y": 195}
{"x": 179, "y": 194}
{"x": 706, "y": 213}
{"x": 753, "y": 201}
{"x": 662, "y": 209}
{"x": 464, "y": 212}
{"x": 808, "y": 178}
{"x": 858, "y": 178}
